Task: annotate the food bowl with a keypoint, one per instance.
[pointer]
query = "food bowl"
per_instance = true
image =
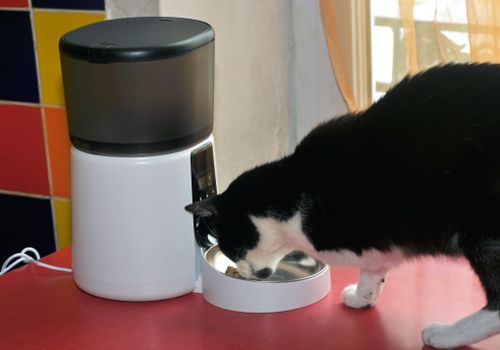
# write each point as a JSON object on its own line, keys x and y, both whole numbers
{"x": 298, "y": 281}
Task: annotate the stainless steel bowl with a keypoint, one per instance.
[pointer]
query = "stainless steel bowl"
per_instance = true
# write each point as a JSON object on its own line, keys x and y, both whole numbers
{"x": 293, "y": 267}
{"x": 298, "y": 281}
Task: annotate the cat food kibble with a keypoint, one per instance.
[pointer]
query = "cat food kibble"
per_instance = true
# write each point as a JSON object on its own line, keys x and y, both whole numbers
{"x": 233, "y": 272}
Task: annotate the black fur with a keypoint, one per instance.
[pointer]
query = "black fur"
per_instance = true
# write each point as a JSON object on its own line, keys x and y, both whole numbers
{"x": 419, "y": 170}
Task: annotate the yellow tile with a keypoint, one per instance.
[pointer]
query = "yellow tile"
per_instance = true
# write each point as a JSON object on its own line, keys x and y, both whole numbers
{"x": 49, "y": 27}
{"x": 62, "y": 210}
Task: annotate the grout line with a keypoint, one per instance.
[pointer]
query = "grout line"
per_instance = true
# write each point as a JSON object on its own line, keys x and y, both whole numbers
{"x": 54, "y": 222}
{"x": 44, "y": 126}
{"x": 45, "y": 9}
{"x": 59, "y": 10}
{"x": 61, "y": 199}
{"x": 20, "y": 103}
{"x": 52, "y": 106}
{"x": 35, "y": 52}
{"x": 23, "y": 9}
{"x": 49, "y": 174}
{"x": 34, "y": 195}
{"x": 31, "y": 104}
{"x": 47, "y": 150}
{"x": 24, "y": 194}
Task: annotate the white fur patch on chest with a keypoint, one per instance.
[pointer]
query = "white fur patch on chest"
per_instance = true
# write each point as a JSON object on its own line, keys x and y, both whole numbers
{"x": 274, "y": 234}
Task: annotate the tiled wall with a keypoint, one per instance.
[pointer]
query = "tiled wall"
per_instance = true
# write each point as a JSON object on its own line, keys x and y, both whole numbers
{"x": 34, "y": 142}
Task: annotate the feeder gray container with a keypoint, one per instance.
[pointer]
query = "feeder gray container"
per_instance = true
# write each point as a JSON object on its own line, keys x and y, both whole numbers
{"x": 138, "y": 86}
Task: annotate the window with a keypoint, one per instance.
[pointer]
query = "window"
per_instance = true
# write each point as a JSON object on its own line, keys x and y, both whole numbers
{"x": 436, "y": 31}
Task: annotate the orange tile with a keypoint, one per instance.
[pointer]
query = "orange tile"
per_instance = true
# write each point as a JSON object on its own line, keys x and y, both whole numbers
{"x": 59, "y": 150}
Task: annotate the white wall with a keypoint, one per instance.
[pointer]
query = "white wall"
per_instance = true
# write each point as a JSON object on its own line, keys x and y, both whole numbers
{"x": 316, "y": 94}
{"x": 273, "y": 80}
{"x": 131, "y": 8}
{"x": 252, "y": 103}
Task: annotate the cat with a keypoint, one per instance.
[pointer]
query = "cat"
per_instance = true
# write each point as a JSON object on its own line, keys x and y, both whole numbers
{"x": 417, "y": 173}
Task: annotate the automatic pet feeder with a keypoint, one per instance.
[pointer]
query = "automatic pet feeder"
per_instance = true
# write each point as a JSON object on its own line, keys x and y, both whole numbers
{"x": 139, "y": 98}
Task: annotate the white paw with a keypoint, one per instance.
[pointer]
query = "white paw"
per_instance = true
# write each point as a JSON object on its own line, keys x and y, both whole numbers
{"x": 352, "y": 299}
{"x": 440, "y": 336}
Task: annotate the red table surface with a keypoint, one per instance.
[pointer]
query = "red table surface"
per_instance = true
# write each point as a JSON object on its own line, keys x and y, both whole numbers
{"x": 43, "y": 309}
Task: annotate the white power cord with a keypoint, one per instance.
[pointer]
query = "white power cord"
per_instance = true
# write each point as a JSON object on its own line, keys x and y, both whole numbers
{"x": 23, "y": 257}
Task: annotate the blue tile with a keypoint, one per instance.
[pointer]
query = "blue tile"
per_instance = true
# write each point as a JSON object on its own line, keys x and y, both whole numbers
{"x": 70, "y": 4}
{"x": 18, "y": 80}
{"x": 25, "y": 222}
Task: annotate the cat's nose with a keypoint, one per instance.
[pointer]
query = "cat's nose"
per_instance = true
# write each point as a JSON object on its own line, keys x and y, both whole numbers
{"x": 263, "y": 273}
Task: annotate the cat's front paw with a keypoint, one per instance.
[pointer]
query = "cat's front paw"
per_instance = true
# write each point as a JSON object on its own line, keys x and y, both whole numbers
{"x": 440, "y": 336}
{"x": 353, "y": 299}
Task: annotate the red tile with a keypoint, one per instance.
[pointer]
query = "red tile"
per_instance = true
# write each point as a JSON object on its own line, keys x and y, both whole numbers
{"x": 13, "y": 3}
{"x": 23, "y": 164}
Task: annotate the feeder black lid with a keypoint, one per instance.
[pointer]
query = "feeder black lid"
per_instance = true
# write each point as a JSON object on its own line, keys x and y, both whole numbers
{"x": 136, "y": 39}
{"x": 138, "y": 86}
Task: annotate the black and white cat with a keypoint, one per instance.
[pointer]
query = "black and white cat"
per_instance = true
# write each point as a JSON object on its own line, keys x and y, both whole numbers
{"x": 418, "y": 173}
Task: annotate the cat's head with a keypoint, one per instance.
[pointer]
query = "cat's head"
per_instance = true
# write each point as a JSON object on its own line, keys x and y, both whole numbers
{"x": 244, "y": 223}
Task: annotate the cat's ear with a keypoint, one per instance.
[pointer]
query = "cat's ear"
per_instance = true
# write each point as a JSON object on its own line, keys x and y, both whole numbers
{"x": 204, "y": 208}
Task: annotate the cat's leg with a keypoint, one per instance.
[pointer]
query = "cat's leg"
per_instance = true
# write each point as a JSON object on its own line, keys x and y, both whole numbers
{"x": 478, "y": 326}
{"x": 366, "y": 291}
{"x": 484, "y": 258}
